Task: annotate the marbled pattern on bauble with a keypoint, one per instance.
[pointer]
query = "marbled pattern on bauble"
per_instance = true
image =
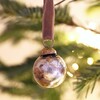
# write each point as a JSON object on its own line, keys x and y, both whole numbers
{"x": 49, "y": 71}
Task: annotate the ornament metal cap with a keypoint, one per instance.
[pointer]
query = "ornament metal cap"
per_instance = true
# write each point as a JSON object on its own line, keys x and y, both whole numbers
{"x": 48, "y": 51}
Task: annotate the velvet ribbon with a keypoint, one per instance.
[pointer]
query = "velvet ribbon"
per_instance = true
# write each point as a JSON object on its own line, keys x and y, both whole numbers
{"x": 48, "y": 20}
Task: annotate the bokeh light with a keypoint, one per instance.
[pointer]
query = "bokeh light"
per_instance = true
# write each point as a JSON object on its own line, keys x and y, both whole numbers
{"x": 90, "y": 60}
{"x": 75, "y": 66}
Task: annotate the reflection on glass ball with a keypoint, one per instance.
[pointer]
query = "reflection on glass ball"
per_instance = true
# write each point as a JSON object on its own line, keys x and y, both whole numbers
{"x": 49, "y": 70}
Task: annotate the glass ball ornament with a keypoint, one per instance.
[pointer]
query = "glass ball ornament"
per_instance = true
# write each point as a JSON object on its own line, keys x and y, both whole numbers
{"x": 49, "y": 70}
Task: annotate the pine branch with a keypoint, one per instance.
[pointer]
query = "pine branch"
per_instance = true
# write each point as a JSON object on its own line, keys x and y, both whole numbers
{"x": 13, "y": 8}
{"x": 66, "y": 0}
{"x": 88, "y": 78}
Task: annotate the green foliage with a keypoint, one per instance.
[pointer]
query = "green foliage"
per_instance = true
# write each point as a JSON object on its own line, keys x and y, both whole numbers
{"x": 35, "y": 13}
{"x": 16, "y": 31}
{"x": 62, "y": 15}
{"x": 88, "y": 78}
{"x": 27, "y": 19}
{"x": 14, "y": 8}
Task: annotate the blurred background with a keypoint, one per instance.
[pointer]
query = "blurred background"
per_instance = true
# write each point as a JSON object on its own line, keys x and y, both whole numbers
{"x": 77, "y": 40}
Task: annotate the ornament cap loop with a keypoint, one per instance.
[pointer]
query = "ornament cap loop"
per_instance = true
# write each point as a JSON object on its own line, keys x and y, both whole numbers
{"x": 48, "y": 43}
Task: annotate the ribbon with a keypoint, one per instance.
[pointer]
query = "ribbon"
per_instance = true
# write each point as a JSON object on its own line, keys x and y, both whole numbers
{"x": 48, "y": 20}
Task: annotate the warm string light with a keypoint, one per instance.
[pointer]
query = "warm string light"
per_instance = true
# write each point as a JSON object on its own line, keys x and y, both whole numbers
{"x": 72, "y": 69}
{"x": 69, "y": 74}
{"x": 90, "y": 61}
{"x": 75, "y": 66}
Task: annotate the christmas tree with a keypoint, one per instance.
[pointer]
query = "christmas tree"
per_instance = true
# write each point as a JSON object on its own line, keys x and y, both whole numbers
{"x": 76, "y": 40}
